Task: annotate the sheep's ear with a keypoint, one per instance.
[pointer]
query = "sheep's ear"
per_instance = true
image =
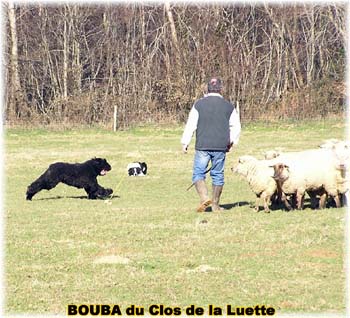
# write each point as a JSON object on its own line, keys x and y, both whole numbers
{"x": 286, "y": 166}
{"x": 271, "y": 166}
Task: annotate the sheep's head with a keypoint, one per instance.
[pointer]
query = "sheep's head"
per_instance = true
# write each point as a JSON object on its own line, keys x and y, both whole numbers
{"x": 242, "y": 167}
{"x": 281, "y": 172}
{"x": 341, "y": 152}
{"x": 271, "y": 154}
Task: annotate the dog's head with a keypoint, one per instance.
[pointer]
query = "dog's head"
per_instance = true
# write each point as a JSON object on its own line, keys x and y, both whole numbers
{"x": 143, "y": 166}
{"x": 101, "y": 166}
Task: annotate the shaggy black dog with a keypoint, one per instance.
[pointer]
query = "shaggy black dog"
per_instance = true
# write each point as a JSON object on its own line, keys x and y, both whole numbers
{"x": 79, "y": 175}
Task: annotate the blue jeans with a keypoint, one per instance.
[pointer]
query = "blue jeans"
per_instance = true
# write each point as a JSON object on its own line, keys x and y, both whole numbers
{"x": 200, "y": 165}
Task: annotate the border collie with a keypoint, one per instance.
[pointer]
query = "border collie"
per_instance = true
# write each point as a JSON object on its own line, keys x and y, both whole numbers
{"x": 137, "y": 169}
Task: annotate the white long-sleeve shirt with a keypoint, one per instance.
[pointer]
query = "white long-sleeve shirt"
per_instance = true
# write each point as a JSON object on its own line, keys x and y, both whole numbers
{"x": 191, "y": 125}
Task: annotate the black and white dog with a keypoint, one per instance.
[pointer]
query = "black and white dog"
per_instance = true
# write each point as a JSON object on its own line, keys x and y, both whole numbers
{"x": 136, "y": 169}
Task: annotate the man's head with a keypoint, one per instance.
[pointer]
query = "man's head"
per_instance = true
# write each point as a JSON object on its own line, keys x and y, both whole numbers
{"x": 214, "y": 85}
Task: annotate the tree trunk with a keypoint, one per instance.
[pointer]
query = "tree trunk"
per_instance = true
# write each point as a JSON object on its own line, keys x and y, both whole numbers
{"x": 172, "y": 25}
{"x": 65, "y": 54}
{"x": 311, "y": 49}
{"x": 15, "y": 91}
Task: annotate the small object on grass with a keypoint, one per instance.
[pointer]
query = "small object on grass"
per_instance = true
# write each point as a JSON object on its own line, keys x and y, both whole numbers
{"x": 201, "y": 222}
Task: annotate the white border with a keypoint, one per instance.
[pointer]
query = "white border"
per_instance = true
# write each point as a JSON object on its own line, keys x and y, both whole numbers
{"x": 347, "y": 136}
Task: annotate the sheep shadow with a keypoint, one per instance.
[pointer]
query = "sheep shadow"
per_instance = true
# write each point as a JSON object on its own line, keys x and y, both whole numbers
{"x": 279, "y": 206}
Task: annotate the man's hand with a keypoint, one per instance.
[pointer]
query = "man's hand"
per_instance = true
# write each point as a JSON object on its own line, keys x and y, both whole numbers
{"x": 229, "y": 147}
{"x": 184, "y": 148}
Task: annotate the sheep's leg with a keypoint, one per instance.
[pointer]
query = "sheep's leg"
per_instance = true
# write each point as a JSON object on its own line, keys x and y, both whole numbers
{"x": 257, "y": 204}
{"x": 285, "y": 201}
{"x": 337, "y": 201}
{"x": 346, "y": 198}
{"x": 300, "y": 200}
{"x": 313, "y": 199}
{"x": 294, "y": 200}
{"x": 342, "y": 199}
{"x": 323, "y": 200}
{"x": 266, "y": 199}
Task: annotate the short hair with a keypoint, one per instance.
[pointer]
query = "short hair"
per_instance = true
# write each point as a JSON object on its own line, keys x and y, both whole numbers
{"x": 214, "y": 85}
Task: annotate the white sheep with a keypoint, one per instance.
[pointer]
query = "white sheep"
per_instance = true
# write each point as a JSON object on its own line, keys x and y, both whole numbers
{"x": 290, "y": 181}
{"x": 329, "y": 143}
{"x": 310, "y": 170}
{"x": 271, "y": 154}
{"x": 276, "y": 155}
{"x": 341, "y": 153}
{"x": 259, "y": 176}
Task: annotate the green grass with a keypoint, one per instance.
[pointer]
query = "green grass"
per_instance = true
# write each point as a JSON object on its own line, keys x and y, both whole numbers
{"x": 171, "y": 254}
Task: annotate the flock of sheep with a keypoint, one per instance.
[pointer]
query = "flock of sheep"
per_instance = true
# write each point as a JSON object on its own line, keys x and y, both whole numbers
{"x": 284, "y": 177}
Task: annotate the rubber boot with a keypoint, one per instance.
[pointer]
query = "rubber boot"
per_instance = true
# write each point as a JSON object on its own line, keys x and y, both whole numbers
{"x": 202, "y": 191}
{"x": 217, "y": 190}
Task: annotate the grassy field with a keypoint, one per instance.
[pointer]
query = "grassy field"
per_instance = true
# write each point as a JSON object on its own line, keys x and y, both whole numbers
{"x": 147, "y": 245}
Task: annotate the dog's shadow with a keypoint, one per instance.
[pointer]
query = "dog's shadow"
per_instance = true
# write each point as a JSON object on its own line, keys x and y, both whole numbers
{"x": 230, "y": 206}
{"x": 81, "y": 197}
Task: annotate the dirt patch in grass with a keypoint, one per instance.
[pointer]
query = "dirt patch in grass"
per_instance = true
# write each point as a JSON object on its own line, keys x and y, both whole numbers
{"x": 112, "y": 259}
{"x": 323, "y": 254}
{"x": 202, "y": 269}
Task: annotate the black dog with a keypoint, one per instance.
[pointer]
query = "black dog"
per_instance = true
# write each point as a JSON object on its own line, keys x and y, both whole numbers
{"x": 79, "y": 175}
{"x": 137, "y": 169}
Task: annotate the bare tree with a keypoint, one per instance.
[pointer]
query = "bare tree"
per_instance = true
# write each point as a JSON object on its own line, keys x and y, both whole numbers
{"x": 75, "y": 63}
{"x": 15, "y": 92}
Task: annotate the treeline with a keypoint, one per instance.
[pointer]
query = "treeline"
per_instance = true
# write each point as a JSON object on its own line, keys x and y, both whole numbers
{"x": 75, "y": 63}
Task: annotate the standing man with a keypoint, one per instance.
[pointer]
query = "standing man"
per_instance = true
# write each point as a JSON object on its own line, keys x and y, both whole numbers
{"x": 217, "y": 126}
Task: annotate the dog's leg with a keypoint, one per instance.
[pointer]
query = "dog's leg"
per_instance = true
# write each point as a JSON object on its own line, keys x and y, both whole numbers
{"x": 91, "y": 194}
{"x": 103, "y": 192}
{"x": 107, "y": 192}
{"x": 45, "y": 181}
{"x": 33, "y": 189}
{"x": 96, "y": 191}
